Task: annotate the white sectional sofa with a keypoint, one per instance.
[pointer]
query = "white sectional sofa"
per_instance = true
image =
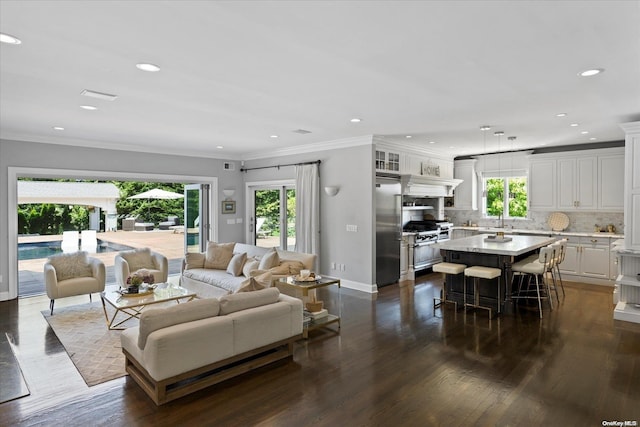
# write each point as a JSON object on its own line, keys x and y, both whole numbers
{"x": 176, "y": 350}
{"x": 206, "y": 281}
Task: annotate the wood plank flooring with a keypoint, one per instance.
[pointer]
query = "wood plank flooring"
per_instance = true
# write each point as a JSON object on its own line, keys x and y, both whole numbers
{"x": 395, "y": 363}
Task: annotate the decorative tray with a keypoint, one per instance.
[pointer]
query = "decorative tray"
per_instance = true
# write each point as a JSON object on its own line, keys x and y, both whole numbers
{"x": 125, "y": 293}
{"x": 495, "y": 239}
{"x": 308, "y": 279}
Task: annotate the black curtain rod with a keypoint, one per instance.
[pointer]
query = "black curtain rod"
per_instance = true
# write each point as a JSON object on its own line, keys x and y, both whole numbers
{"x": 316, "y": 162}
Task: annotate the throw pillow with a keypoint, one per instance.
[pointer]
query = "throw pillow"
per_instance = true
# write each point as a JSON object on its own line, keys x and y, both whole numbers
{"x": 245, "y": 300}
{"x": 158, "y": 318}
{"x": 294, "y": 267}
{"x": 235, "y": 265}
{"x": 269, "y": 260}
{"x": 71, "y": 265}
{"x": 218, "y": 255}
{"x": 256, "y": 282}
{"x": 249, "y": 266}
{"x": 138, "y": 258}
{"x": 280, "y": 270}
{"x": 194, "y": 260}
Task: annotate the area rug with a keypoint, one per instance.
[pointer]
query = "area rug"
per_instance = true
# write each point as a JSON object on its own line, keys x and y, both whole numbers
{"x": 13, "y": 384}
{"x": 94, "y": 349}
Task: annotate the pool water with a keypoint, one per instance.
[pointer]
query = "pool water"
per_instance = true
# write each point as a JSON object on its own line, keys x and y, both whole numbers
{"x": 37, "y": 250}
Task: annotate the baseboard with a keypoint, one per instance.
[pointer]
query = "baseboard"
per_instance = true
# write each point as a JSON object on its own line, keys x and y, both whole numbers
{"x": 589, "y": 280}
{"x": 362, "y": 287}
{"x": 5, "y": 296}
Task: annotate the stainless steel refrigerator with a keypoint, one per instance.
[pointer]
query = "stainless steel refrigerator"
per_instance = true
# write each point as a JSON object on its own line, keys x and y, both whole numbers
{"x": 388, "y": 230}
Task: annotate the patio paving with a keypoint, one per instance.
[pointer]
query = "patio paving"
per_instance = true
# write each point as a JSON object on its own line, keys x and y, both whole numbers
{"x": 166, "y": 242}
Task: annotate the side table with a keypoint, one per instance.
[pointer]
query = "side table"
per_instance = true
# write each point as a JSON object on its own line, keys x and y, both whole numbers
{"x": 305, "y": 287}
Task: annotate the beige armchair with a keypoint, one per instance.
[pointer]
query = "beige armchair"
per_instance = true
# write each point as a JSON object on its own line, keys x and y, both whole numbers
{"x": 127, "y": 262}
{"x": 73, "y": 274}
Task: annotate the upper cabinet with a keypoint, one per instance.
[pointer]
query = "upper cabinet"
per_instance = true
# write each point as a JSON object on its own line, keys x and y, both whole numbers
{"x": 577, "y": 183}
{"x": 632, "y": 186}
{"x": 591, "y": 180}
{"x": 387, "y": 161}
{"x": 465, "y": 196}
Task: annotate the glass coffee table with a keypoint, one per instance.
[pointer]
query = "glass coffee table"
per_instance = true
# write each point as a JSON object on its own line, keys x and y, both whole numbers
{"x": 131, "y": 306}
{"x": 308, "y": 287}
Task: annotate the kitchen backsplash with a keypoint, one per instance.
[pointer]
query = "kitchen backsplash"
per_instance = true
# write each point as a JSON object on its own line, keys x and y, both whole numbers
{"x": 578, "y": 221}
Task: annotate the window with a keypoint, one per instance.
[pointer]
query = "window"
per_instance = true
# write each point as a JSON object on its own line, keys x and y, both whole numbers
{"x": 274, "y": 209}
{"x": 512, "y": 206}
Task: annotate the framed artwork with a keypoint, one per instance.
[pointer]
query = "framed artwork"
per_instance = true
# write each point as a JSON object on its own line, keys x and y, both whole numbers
{"x": 228, "y": 207}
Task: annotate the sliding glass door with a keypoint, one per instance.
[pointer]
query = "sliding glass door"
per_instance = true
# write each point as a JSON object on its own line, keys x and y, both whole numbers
{"x": 196, "y": 217}
{"x": 273, "y": 220}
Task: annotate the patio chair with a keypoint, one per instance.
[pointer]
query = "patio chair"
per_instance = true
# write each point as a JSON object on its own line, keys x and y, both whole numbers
{"x": 70, "y": 241}
{"x": 260, "y": 233}
{"x": 89, "y": 242}
{"x": 67, "y": 275}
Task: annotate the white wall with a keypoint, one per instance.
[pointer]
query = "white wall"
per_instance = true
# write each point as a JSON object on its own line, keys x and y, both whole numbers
{"x": 52, "y": 156}
{"x": 352, "y": 170}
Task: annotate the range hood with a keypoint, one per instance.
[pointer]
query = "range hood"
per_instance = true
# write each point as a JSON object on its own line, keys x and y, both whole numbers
{"x": 428, "y": 186}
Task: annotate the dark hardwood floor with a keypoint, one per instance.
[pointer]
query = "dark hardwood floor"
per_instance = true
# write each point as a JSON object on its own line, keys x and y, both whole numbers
{"x": 394, "y": 363}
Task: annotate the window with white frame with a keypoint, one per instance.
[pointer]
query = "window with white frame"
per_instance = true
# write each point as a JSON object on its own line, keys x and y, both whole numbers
{"x": 505, "y": 194}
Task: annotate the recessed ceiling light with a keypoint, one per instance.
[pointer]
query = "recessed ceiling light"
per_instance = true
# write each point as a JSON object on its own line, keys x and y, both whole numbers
{"x": 543, "y": 143}
{"x": 592, "y": 139}
{"x": 592, "y": 72}
{"x": 573, "y": 124}
{"x": 356, "y": 120}
{"x": 561, "y": 115}
{"x": 9, "y": 39}
{"x": 273, "y": 136}
{"x": 451, "y": 146}
{"x": 58, "y": 128}
{"x": 432, "y": 142}
{"x": 152, "y": 68}
{"x": 219, "y": 147}
{"x": 409, "y": 136}
{"x": 88, "y": 107}
{"x": 584, "y": 132}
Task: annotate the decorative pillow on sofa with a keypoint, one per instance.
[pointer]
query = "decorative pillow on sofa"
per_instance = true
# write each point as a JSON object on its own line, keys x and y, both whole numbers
{"x": 269, "y": 260}
{"x": 245, "y": 300}
{"x": 218, "y": 255}
{"x": 158, "y": 318}
{"x": 249, "y": 266}
{"x": 255, "y": 283}
{"x": 71, "y": 265}
{"x": 280, "y": 270}
{"x": 235, "y": 265}
{"x": 293, "y": 267}
{"x": 138, "y": 259}
{"x": 194, "y": 260}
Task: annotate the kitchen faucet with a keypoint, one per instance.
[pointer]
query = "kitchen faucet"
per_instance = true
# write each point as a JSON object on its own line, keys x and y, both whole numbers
{"x": 501, "y": 220}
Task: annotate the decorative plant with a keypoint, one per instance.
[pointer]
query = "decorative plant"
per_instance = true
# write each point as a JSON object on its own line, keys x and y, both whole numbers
{"x": 140, "y": 277}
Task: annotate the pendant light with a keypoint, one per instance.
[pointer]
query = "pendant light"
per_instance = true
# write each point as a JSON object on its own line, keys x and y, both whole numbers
{"x": 511, "y": 139}
{"x": 484, "y": 129}
{"x": 499, "y": 134}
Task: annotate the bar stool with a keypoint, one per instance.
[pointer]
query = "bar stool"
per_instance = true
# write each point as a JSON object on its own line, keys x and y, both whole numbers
{"x": 480, "y": 272}
{"x": 538, "y": 269}
{"x": 447, "y": 268}
{"x": 560, "y": 253}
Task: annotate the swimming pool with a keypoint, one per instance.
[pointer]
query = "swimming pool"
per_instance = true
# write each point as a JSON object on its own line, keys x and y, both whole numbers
{"x": 37, "y": 250}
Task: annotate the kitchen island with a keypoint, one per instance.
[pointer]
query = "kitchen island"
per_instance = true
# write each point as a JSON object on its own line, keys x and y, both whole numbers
{"x": 483, "y": 251}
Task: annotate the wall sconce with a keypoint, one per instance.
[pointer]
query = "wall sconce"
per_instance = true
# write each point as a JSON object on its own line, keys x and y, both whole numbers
{"x": 331, "y": 190}
{"x": 228, "y": 192}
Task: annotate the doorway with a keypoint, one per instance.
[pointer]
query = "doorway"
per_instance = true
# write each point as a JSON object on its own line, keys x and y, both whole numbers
{"x": 272, "y": 214}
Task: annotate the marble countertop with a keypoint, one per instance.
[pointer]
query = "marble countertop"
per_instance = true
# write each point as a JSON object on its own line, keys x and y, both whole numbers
{"x": 517, "y": 246}
{"x": 541, "y": 232}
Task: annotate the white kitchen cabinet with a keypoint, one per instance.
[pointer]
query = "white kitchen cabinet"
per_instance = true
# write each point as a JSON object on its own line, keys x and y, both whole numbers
{"x": 387, "y": 161}
{"x": 459, "y": 234}
{"x": 632, "y": 185}
{"x": 611, "y": 182}
{"x": 404, "y": 257}
{"x": 576, "y": 183}
{"x": 587, "y": 257}
{"x": 465, "y": 195}
{"x": 542, "y": 184}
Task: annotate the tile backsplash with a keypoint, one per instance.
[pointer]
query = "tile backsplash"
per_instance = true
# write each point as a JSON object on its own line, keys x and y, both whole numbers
{"x": 578, "y": 221}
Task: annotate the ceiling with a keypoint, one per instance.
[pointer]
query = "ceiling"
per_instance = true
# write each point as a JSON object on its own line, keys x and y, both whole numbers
{"x": 235, "y": 73}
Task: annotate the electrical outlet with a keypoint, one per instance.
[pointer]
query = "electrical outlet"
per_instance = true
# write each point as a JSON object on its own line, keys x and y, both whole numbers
{"x": 333, "y": 267}
{"x": 342, "y": 267}
{"x": 352, "y": 228}
{"x": 0, "y": 278}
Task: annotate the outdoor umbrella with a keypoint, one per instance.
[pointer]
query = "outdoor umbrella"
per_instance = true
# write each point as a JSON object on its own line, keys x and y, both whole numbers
{"x": 157, "y": 193}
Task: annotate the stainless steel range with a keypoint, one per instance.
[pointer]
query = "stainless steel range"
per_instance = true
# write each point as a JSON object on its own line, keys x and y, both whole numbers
{"x": 427, "y": 232}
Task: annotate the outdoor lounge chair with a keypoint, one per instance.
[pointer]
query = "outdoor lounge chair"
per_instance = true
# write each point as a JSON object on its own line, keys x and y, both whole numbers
{"x": 89, "y": 242}
{"x": 70, "y": 241}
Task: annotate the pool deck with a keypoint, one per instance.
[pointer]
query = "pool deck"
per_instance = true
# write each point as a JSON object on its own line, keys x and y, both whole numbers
{"x": 166, "y": 242}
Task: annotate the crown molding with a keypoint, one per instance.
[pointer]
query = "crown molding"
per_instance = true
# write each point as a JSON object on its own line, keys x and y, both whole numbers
{"x": 313, "y": 148}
